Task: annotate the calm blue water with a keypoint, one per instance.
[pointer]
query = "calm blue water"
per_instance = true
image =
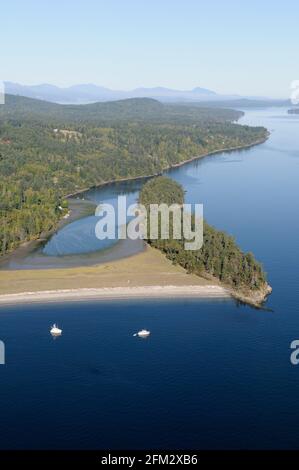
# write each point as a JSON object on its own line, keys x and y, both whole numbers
{"x": 212, "y": 374}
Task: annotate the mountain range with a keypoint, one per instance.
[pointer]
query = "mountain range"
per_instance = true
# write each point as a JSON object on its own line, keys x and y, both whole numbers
{"x": 89, "y": 93}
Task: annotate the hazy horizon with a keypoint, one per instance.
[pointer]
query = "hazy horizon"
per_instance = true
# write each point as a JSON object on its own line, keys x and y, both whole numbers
{"x": 123, "y": 89}
{"x": 230, "y": 48}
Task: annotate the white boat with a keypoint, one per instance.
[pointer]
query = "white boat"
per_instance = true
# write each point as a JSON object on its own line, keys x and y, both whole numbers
{"x": 55, "y": 331}
{"x": 143, "y": 333}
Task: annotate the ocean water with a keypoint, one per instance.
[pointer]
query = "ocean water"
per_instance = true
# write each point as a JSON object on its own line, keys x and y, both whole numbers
{"x": 213, "y": 374}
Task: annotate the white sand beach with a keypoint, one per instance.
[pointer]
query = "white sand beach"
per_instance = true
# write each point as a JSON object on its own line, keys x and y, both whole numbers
{"x": 106, "y": 293}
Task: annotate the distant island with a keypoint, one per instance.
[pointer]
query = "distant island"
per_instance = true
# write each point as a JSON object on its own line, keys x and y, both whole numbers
{"x": 48, "y": 151}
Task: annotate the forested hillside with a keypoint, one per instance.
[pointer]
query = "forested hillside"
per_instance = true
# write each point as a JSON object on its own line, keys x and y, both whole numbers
{"x": 134, "y": 109}
{"x": 219, "y": 256}
{"x": 49, "y": 150}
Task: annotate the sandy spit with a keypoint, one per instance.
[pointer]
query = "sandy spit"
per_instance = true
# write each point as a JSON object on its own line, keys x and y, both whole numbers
{"x": 105, "y": 293}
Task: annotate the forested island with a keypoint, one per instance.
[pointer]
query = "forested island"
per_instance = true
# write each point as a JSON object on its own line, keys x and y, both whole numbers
{"x": 219, "y": 259}
{"x": 48, "y": 151}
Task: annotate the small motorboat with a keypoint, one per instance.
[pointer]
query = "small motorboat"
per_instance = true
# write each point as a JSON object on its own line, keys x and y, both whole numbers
{"x": 143, "y": 333}
{"x": 55, "y": 331}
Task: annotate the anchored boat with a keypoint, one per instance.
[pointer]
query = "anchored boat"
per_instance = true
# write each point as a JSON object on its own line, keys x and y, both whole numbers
{"x": 55, "y": 331}
{"x": 143, "y": 333}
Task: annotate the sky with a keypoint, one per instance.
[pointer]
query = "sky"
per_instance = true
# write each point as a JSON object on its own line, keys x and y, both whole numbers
{"x": 231, "y": 47}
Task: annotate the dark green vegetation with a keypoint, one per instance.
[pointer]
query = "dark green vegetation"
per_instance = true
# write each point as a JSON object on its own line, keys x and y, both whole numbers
{"x": 219, "y": 257}
{"x": 162, "y": 190}
{"x": 133, "y": 110}
{"x": 49, "y": 150}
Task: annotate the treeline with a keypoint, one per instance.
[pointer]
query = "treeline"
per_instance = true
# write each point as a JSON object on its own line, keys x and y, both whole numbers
{"x": 48, "y": 151}
{"x": 134, "y": 109}
{"x": 219, "y": 257}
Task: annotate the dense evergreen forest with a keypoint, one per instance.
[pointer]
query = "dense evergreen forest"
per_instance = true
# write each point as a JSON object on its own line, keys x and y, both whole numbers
{"x": 49, "y": 150}
{"x": 219, "y": 256}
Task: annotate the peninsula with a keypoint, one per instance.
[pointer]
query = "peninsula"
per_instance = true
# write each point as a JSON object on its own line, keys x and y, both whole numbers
{"x": 48, "y": 151}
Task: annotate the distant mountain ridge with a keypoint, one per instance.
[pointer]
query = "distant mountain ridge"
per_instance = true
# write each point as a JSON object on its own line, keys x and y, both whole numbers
{"x": 90, "y": 93}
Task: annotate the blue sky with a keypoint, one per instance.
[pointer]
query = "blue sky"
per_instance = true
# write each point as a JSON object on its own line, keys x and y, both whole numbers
{"x": 249, "y": 48}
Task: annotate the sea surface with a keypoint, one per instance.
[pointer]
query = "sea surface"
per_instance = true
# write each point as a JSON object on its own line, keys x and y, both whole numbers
{"x": 213, "y": 374}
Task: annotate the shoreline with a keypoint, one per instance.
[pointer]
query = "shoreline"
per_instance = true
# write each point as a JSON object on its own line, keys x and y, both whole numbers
{"x": 148, "y": 274}
{"x": 77, "y": 210}
{"x": 44, "y": 236}
{"x": 115, "y": 293}
{"x": 35, "y": 242}
{"x": 170, "y": 167}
